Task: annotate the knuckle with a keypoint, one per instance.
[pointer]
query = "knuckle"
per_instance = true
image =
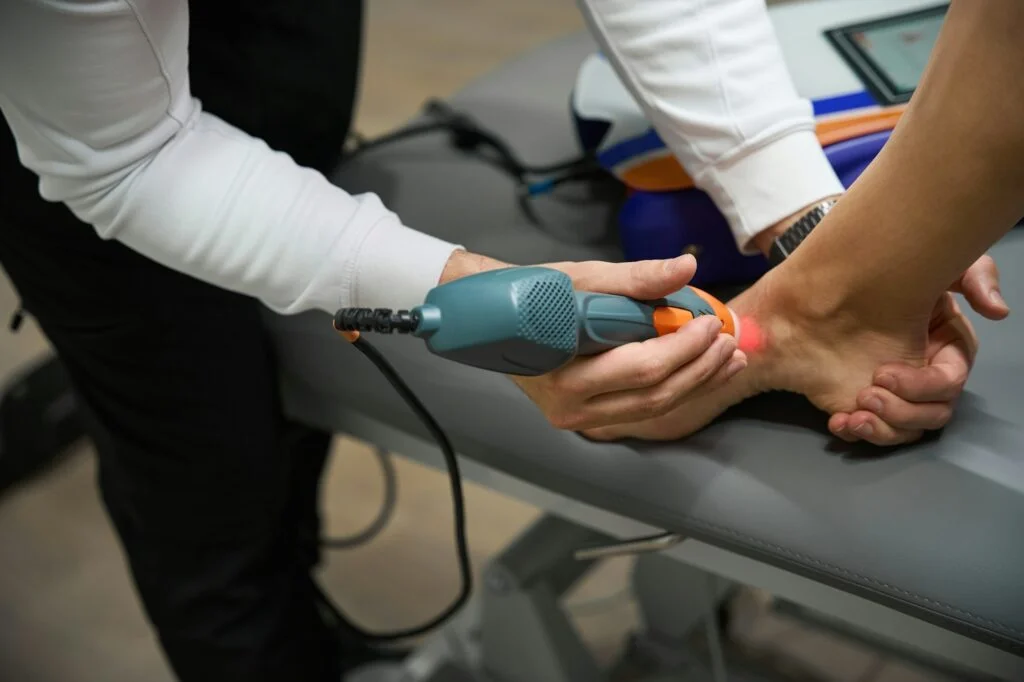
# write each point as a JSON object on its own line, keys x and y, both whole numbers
{"x": 942, "y": 417}
{"x": 637, "y": 271}
{"x": 565, "y": 421}
{"x": 865, "y": 395}
{"x": 958, "y": 380}
{"x": 659, "y": 402}
{"x": 662, "y": 401}
{"x": 556, "y": 420}
{"x": 889, "y": 437}
{"x": 651, "y": 369}
{"x": 568, "y": 383}
{"x": 705, "y": 370}
{"x": 648, "y": 406}
{"x": 602, "y": 435}
{"x": 912, "y": 437}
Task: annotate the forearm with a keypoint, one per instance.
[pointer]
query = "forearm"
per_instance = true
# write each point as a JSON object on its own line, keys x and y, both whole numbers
{"x": 102, "y": 113}
{"x": 949, "y": 183}
{"x": 711, "y": 79}
{"x": 223, "y": 207}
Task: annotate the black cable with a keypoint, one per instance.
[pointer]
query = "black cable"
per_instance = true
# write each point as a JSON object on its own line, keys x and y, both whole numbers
{"x": 387, "y": 508}
{"x": 547, "y": 184}
{"x": 458, "y": 507}
{"x": 473, "y": 134}
{"x": 467, "y": 136}
{"x": 470, "y": 136}
{"x": 364, "y": 145}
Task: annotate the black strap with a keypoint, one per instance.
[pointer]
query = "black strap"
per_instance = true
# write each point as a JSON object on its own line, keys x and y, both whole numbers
{"x": 786, "y": 243}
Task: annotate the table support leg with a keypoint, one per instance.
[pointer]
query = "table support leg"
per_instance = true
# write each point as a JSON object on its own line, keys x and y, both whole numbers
{"x": 525, "y": 635}
{"x": 674, "y": 599}
{"x": 515, "y": 629}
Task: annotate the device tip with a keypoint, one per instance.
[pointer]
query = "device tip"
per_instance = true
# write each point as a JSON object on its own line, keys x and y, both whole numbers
{"x": 749, "y": 335}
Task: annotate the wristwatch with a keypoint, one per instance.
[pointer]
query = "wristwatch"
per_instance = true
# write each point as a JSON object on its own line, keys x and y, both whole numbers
{"x": 786, "y": 243}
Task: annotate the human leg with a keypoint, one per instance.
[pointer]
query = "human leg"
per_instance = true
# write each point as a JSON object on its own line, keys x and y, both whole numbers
{"x": 211, "y": 490}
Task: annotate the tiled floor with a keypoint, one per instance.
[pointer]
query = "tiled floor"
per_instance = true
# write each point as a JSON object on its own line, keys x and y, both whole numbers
{"x": 67, "y": 610}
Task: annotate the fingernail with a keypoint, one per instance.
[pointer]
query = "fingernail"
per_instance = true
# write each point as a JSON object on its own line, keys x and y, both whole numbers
{"x": 865, "y": 429}
{"x": 734, "y": 368}
{"x": 886, "y": 381}
{"x": 728, "y": 347}
{"x": 873, "y": 405}
{"x": 676, "y": 264}
{"x": 714, "y": 326}
{"x": 997, "y": 299}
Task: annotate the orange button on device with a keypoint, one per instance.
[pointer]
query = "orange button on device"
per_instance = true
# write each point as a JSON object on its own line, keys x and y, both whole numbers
{"x": 668, "y": 320}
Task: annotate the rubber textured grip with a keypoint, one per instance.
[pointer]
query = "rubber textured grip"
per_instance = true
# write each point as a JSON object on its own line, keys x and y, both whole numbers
{"x": 606, "y": 321}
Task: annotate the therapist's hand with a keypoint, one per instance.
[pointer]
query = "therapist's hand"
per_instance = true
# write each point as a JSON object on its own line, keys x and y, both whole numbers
{"x": 637, "y": 381}
{"x": 903, "y": 400}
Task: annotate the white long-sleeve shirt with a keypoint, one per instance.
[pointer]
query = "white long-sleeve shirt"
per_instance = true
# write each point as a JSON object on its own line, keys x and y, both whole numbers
{"x": 97, "y": 95}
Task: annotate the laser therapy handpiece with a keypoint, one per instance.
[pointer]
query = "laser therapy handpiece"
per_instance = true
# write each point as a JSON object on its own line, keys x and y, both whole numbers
{"x": 529, "y": 321}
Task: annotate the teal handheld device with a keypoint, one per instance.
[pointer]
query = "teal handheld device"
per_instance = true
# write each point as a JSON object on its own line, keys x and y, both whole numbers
{"x": 529, "y": 321}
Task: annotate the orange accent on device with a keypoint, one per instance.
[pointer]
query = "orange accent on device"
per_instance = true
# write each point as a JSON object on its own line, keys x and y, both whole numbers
{"x": 668, "y": 320}
{"x": 351, "y": 337}
{"x": 722, "y": 311}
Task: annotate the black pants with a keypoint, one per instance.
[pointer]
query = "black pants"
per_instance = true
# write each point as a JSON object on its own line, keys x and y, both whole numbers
{"x": 212, "y": 491}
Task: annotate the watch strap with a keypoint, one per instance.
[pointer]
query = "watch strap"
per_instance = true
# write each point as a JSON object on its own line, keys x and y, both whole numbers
{"x": 785, "y": 244}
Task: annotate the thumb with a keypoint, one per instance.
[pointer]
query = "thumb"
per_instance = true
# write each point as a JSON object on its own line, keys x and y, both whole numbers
{"x": 644, "y": 280}
{"x": 980, "y": 288}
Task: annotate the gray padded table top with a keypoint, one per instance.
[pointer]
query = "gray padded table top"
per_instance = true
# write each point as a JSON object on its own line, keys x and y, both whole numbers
{"x": 935, "y": 530}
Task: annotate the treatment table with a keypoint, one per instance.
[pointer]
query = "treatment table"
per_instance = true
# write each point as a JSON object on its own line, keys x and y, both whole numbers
{"x": 923, "y": 547}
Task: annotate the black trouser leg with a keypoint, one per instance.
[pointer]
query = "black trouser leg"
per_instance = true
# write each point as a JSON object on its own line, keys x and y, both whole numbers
{"x": 211, "y": 490}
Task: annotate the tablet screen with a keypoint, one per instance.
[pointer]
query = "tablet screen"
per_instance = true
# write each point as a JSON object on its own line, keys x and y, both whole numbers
{"x": 890, "y": 54}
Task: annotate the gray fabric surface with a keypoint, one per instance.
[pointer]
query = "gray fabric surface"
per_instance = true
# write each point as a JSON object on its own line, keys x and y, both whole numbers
{"x": 934, "y": 530}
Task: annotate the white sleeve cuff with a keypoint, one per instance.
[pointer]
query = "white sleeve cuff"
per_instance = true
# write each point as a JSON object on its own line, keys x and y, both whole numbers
{"x": 759, "y": 189}
{"x": 397, "y": 266}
